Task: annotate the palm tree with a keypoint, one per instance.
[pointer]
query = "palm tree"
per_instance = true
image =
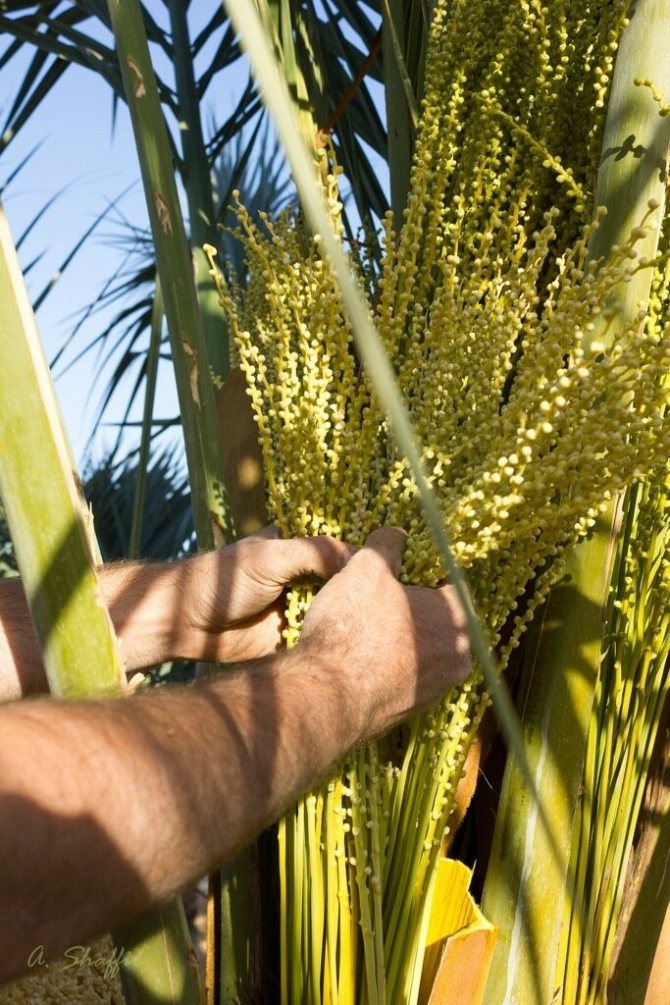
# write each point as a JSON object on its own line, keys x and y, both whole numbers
{"x": 540, "y": 144}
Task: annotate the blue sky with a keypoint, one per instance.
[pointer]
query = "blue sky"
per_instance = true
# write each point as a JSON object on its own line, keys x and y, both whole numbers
{"x": 78, "y": 150}
{"x": 94, "y": 163}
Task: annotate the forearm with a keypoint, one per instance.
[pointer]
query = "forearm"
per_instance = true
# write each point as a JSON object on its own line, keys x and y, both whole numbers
{"x": 221, "y": 606}
{"x": 125, "y": 802}
{"x": 146, "y": 604}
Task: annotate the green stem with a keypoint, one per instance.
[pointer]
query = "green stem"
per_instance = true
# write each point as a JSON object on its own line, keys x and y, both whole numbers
{"x": 359, "y": 831}
{"x": 403, "y": 87}
{"x": 145, "y": 442}
{"x": 196, "y": 174}
{"x": 526, "y": 885}
{"x": 175, "y": 268}
{"x": 399, "y": 126}
{"x": 46, "y": 513}
{"x": 393, "y": 25}
{"x": 162, "y": 967}
{"x": 198, "y": 186}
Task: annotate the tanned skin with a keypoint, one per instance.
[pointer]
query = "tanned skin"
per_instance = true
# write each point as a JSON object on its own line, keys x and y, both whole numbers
{"x": 107, "y": 808}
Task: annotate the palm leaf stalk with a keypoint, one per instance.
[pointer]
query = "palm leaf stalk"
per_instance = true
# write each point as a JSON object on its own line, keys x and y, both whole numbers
{"x": 628, "y": 710}
{"x": 283, "y": 23}
{"x": 175, "y": 270}
{"x": 404, "y": 58}
{"x": 522, "y": 894}
{"x": 198, "y": 185}
{"x": 153, "y": 360}
{"x": 630, "y": 698}
{"x": 56, "y": 551}
{"x": 494, "y": 229}
{"x": 526, "y": 887}
{"x": 69, "y": 617}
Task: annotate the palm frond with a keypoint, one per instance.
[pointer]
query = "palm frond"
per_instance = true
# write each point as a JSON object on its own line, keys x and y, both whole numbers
{"x": 336, "y": 47}
{"x": 110, "y": 490}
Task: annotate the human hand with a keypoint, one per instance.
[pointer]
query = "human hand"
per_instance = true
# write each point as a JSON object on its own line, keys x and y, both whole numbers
{"x": 397, "y": 649}
{"x": 235, "y": 607}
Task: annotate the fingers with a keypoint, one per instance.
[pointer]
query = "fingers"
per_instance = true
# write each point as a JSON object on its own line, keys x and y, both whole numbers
{"x": 249, "y": 640}
{"x": 255, "y": 638}
{"x": 287, "y": 560}
{"x": 389, "y": 543}
{"x": 309, "y": 556}
{"x": 325, "y": 556}
{"x": 440, "y": 631}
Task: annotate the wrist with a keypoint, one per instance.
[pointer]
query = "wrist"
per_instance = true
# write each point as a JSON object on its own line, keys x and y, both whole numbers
{"x": 323, "y": 674}
{"x": 147, "y": 606}
{"x": 297, "y": 714}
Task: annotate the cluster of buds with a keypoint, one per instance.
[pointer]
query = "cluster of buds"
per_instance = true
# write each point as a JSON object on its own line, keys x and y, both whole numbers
{"x": 498, "y": 323}
{"x": 530, "y": 416}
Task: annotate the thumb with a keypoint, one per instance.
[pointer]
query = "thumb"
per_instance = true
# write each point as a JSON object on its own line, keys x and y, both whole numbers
{"x": 390, "y": 544}
{"x": 308, "y": 556}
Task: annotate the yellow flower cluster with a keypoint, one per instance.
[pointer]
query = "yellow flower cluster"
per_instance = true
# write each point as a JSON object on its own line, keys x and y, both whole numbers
{"x": 529, "y": 423}
{"x": 530, "y": 417}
